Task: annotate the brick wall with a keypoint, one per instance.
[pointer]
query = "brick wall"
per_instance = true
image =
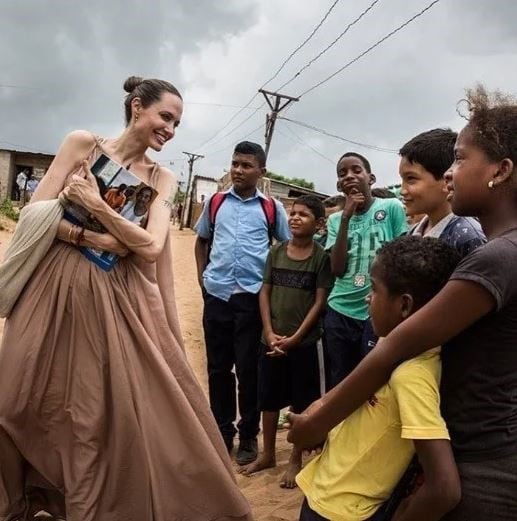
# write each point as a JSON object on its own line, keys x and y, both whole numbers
{"x": 6, "y": 173}
{"x": 10, "y": 160}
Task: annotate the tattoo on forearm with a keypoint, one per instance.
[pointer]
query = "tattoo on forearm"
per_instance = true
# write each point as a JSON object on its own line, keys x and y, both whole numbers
{"x": 168, "y": 204}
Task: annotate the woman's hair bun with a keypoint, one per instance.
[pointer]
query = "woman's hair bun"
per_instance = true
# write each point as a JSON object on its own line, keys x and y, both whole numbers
{"x": 132, "y": 83}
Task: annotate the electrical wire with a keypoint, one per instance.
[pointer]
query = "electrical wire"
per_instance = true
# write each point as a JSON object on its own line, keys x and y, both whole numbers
{"x": 346, "y": 140}
{"x": 232, "y": 118}
{"x": 319, "y": 55}
{"x": 299, "y": 140}
{"x": 222, "y": 138}
{"x": 25, "y": 87}
{"x": 376, "y": 44}
{"x": 231, "y": 145}
{"x": 24, "y": 148}
{"x": 314, "y": 31}
{"x": 218, "y": 105}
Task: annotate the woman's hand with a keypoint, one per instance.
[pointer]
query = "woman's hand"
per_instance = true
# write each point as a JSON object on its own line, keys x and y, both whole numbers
{"x": 83, "y": 191}
{"x": 104, "y": 242}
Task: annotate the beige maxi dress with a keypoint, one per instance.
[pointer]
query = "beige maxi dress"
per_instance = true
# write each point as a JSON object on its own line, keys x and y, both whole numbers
{"x": 97, "y": 399}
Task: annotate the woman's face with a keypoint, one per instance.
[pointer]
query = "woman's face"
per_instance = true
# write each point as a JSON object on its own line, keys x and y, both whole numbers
{"x": 157, "y": 123}
{"x": 468, "y": 178}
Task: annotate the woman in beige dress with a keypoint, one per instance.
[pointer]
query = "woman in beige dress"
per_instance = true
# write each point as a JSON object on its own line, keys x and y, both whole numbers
{"x": 101, "y": 417}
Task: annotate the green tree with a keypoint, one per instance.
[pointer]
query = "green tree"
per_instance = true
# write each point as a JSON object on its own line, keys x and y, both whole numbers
{"x": 298, "y": 181}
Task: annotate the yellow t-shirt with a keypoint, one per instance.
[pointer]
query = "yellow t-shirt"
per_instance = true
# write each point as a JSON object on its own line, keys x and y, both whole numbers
{"x": 366, "y": 455}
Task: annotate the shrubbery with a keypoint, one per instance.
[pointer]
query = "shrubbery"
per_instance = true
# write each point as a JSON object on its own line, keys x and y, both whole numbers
{"x": 8, "y": 209}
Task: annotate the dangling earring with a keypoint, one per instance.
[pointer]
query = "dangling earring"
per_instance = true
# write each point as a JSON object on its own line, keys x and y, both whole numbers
{"x": 491, "y": 184}
{"x": 136, "y": 118}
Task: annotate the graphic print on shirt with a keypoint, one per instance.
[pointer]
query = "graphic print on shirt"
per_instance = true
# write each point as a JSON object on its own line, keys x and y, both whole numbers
{"x": 294, "y": 279}
{"x": 363, "y": 249}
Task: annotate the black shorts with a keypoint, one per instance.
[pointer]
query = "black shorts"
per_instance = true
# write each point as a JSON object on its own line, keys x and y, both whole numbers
{"x": 292, "y": 380}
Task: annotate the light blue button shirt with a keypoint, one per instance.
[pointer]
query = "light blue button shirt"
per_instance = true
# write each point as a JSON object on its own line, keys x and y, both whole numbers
{"x": 240, "y": 245}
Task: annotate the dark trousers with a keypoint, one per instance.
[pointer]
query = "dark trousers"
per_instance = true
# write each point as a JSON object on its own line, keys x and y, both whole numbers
{"x": 307, "y": 514}
{"x": 232, "y": 336}
{"x": 346, "y": 342}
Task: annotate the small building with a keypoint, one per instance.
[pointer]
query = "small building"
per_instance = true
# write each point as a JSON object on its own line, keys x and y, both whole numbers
{"x": 274, "y": 188}
{"x": 202, "y": 188}
{"x": 281, "y": 190}
{"x": 12, "y": 162}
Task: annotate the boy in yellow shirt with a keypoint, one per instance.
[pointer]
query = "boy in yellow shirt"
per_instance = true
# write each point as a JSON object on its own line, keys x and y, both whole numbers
{"x": 366, "y": 455}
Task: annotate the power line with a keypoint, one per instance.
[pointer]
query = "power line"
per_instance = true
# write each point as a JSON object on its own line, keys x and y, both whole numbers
{"x": 326, "y": 133}
{"x": 25, "y": 87}
{"x": 227, "y": 124}
{"x": 220, "y": 139}
{"x": 319, "y": 55}
{"x": 230, "y": 146}
{"x": 192, "y": 158}
{"x": 25, "y": 148}
{"x": 314, "y": 31}
{"x": 376, "y": 44}
{"x": 218, "y": 105}
{"x": 171, "y": 160}
{"x": 277, "y": 102}
{"x": 299, "y": 140}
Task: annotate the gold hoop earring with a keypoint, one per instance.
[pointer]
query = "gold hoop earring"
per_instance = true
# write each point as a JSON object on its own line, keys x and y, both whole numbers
{"x": 491, "y": 184}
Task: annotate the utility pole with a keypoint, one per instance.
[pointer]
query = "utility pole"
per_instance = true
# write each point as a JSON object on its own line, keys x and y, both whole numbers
{"x": 274, "y": 100}
{"x": 186, "y": 211}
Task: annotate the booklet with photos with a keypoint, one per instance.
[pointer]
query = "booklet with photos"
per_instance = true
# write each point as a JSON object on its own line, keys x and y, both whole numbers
{"x": 124, "y": 192}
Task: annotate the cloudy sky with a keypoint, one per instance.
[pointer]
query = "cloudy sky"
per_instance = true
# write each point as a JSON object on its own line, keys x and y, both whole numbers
{"x": 63, "y": 63}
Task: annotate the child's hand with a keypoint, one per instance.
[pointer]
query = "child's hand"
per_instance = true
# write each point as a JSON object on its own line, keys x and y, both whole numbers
{"x": 354, "y": 199}
{"x": 287, "y": 343}
{"x": 303, "y": 433}
{"x": 275, "y": 351}
{"x": 272, "y": 338}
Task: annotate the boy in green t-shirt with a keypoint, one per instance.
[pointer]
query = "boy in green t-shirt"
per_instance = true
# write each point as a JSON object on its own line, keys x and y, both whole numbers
{"x": 297, "y": 280}
{"x": 354, "y": 235}
{"x": 366, "y": 455}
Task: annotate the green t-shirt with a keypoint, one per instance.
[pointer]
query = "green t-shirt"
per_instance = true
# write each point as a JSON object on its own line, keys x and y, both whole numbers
{"x": 294, "y": 284}
{"x": 384, "y": 221}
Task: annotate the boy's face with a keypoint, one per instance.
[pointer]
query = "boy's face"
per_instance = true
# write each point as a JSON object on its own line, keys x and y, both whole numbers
{"x": 329, "y": 210}
{"x": 302, "y": 222}
{"x": 386, "y": 310}
{"x": 420, "y": 191}
{"x": 352, "y": 176}
{"x": 245, "y": 171}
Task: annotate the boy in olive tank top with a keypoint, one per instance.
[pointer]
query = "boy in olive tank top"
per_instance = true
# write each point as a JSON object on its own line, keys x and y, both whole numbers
{"x": 297, "y": 281}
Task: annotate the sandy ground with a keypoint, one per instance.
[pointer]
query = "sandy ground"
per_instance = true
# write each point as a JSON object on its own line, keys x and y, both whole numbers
{"x": 268, "y": 500}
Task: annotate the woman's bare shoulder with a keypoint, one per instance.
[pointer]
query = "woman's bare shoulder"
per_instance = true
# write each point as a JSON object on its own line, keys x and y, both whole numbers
{"x": 167, "y": 174}
{"x": 80, "y": 138}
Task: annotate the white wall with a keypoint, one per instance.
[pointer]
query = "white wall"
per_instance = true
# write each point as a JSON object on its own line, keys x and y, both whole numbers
{"x": 205, "y": 188}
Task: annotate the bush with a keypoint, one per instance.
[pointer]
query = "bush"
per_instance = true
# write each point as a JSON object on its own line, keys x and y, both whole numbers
{"x": 9, "y": 210}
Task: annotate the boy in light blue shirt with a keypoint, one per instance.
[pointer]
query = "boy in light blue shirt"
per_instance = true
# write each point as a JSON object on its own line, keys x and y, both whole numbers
{"x": 231, "y": 251}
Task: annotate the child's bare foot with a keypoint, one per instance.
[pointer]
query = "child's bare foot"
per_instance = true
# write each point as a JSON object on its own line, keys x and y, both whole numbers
{"x": 261, "y": 463}
{"x": 288, "y": 479}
